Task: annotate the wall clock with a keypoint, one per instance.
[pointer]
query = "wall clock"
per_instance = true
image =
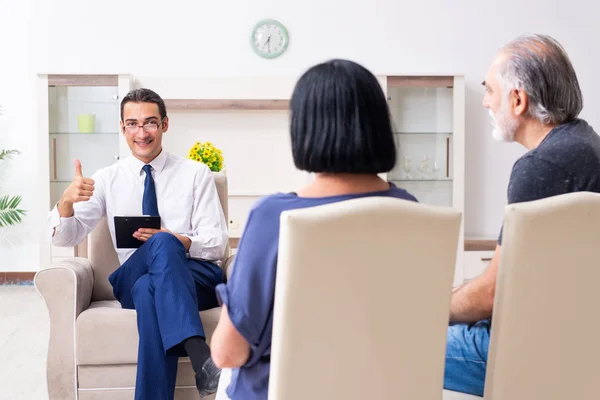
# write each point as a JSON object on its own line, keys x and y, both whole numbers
{"x": 269, "y": 38}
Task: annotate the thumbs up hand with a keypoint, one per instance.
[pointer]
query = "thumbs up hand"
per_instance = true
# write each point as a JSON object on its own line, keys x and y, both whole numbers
{"x": 80, "y": 189}
{"x": 77, "y": 164}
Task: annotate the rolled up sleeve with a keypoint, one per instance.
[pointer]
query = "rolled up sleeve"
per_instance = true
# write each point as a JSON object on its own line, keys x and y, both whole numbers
{"x": 70, "y": 231}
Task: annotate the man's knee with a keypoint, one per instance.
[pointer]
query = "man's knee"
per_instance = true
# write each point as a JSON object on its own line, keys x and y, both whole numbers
{"x": 469, "y": 341}
{"x": 141, "y": 290}
{"x": 164, "y": 252}
{"x": 165, "y": 241}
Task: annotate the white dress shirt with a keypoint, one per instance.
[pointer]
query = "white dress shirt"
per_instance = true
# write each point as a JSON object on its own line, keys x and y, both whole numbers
{"x": 188, "y": 204}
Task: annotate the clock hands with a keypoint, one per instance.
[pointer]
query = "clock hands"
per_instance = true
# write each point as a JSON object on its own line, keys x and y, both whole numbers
{"x": 268, "y": 43}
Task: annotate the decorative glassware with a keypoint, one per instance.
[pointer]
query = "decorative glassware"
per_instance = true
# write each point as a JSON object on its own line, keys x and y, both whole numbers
{"x": 424, "y": 167}
{"x": 435, "y": 168}
{"x": 407, "y": 166}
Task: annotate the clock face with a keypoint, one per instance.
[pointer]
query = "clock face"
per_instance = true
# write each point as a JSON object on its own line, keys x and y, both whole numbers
{"x": 269, "y": 39}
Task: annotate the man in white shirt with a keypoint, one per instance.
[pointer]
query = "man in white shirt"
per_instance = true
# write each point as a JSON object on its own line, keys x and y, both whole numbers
{"x": 174, "y": 273}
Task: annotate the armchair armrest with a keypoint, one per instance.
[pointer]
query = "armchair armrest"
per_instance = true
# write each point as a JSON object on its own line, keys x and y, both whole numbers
{"x": 228, "y": 267}
{"x": 66, "y": 287}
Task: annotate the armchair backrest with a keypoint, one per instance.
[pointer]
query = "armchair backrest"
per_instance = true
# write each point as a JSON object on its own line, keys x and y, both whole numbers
{"x": 544, "y": 339}
{"x": 102, "y": 254}
{"x": 362, "y": 299}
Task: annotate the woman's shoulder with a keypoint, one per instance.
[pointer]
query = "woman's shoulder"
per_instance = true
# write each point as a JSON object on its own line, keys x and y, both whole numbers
{"x": 276, "y": 201}
{"x": 400, "y": 193}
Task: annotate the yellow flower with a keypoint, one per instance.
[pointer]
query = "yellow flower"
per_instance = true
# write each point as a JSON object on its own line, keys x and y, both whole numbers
{"x": 207, "y": 153}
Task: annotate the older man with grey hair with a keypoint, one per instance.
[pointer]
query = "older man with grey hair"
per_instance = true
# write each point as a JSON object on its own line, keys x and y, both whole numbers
{"x": 533, "y": 96}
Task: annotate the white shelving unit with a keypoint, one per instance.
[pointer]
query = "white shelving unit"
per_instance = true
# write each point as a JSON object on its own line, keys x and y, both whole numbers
{"x": 428, "y": 117}
{"x": 241, "y": 115}
{"x": 65, "y": 97}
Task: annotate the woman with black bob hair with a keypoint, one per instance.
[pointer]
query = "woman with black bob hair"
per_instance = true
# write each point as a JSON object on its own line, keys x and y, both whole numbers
{"x": 340, "y": 130}
{"x": 340, "y": 121}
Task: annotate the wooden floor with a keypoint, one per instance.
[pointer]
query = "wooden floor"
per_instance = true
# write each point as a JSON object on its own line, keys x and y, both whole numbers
{"x": 23, "y": 344}
{"x": 24, "y": 331}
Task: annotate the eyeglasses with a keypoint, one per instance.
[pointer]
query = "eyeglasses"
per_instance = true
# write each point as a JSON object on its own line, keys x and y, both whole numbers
{"x": 150, "y": 127}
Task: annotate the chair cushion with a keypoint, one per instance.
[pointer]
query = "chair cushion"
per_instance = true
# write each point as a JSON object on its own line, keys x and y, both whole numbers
{"x": 123, "y": 375}
{"x": 104, "y": 260}
{"x": 107, "y": 333}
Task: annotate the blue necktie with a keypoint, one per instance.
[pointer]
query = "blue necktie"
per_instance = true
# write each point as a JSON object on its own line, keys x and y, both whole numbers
{"x": 149, "y": 203}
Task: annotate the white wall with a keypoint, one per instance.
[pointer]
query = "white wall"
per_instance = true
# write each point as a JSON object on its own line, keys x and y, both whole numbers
{"x": 257, "y": 155}
{"x": 19, "y": 249}
{"x": 205, "y": 39}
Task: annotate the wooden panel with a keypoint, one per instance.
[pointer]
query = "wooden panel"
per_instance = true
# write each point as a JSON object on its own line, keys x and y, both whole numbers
{"x": 83, "y": 80}
{"x": 226, "y": 104}
{"x": 480, "y": 245}
{"x": 13, "y": 278}
{"x": 420, "y": 81}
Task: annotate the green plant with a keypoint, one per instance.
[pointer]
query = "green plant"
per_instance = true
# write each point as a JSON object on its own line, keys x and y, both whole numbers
{"x": 10, "y": 214}
{"x": 7, "y": 153}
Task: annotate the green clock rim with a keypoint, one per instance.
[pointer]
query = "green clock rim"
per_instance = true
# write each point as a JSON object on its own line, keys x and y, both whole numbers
{"x": 285, "y": 34}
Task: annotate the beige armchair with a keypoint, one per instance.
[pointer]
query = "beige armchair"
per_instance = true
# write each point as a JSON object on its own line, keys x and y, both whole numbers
{"x": 544, "y": 338}
{"x": 361, "y": 300}
{"x": 92, "y": 353}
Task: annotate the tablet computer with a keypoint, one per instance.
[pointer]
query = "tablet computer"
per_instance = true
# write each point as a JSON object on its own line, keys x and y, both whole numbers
{"x": 126, "y": 226}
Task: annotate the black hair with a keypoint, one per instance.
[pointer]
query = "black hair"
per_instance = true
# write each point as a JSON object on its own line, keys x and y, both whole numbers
{"x": 340, "y": 121}
{"x": 144, "y": 96}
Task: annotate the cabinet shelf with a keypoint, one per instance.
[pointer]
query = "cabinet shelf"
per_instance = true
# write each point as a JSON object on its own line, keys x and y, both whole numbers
{"x": 83, "y": 80}
{"x": 422, "y": 180}
{"x": 226, "y": 104}
{"x": 423, "y": 133}
{"x": 480, "y": 244}
{"x": 84, "y": 133}
{"x": 420, "y": 81}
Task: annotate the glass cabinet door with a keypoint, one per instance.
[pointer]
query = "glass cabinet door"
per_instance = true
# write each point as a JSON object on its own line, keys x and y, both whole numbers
{"x": 84, "y": 124}
{"x": 422, "y": 120}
